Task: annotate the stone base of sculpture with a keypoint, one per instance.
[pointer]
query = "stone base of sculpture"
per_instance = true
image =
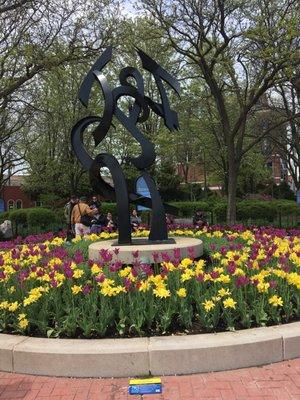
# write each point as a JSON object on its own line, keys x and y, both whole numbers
{"x": 148, "y": 252}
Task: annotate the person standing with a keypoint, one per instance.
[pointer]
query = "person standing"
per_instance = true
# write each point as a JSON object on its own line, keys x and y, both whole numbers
{"x": 199, "y": 220}
{"x": 98, "y": 221}
{"x": 110, "y": 222}
{"x": 81, "y": 217}
{"x": 135, "y": 220}
{"x": 95, "y": 203}
{"x": 67, "y": 213}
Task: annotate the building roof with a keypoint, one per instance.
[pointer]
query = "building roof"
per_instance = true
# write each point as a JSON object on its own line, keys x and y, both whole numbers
{"x": 16, "y": 180}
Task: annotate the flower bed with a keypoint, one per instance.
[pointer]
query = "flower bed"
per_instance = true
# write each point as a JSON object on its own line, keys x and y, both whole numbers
{"x": 248, "y": 278}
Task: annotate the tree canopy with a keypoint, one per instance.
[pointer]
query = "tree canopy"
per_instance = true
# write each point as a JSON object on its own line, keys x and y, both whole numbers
{"x": 238, "y": 64}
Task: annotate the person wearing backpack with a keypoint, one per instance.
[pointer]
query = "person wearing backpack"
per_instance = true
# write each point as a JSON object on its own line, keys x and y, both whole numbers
{"x": 81, "y": 217}
{"x": 67, "y": 214}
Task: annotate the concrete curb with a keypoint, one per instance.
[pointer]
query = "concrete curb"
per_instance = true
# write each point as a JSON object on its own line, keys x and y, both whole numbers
{"x": 125, "y": 252}
{"x": 165, "y": 355}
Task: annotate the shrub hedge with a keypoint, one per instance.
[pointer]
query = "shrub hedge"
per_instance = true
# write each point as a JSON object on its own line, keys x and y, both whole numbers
{"x": 36, "y": 220}
{"x": 257, "y": 210}
{"x": 32, "y": 220}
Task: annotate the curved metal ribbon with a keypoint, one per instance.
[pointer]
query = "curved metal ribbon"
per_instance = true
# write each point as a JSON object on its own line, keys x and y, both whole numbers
{"x": 87, "y": 83}
{"x": 164, "y": 110}
{"x": 139, "y": 112}
{"x": 147, "y": 156}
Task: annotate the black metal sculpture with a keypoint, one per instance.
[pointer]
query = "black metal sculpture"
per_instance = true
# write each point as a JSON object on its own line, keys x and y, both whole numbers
{"x": 138, "y": 113}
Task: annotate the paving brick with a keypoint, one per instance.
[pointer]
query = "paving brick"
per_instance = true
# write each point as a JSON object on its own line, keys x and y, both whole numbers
{"x": 31, "y": 395}
{"x": 260, "y": 392}
{"x": 281, "y": 394}
{"x": 81, "y": 396}
{"x": 228, "y": 394}
{"x": 13, "y": 394}
{"x": 292, "y": 388}
{"x": 219, "y": 385}
{"x": 273, "y": 382}
{"x": 296, "y": 379}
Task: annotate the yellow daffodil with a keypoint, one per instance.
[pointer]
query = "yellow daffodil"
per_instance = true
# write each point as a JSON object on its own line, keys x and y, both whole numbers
{"x": 276, "y": 301}
{"x": 162, "y": 292}
{"x": 23, "y": 323}
{"x": 186, "y": 262}
{"x": 208, "y": 305}
{"x": 78, "y": 273}
{"x": 181, "y": 292}
{"x": 144, "y": 286}
{"x": 229, "y": 303}
{"x": 224, "y": 292}
{"x": 76, "y": 289}
{"x": 13, "y": 306}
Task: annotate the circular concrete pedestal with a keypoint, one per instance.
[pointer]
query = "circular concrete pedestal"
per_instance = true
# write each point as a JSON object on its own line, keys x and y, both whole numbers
{"x": 187, "y": 247}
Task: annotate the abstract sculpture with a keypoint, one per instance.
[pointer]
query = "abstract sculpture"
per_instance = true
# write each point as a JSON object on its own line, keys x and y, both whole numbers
{"x": 137, "y": 114}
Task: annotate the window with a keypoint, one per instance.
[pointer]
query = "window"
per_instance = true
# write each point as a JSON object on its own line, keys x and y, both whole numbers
{"x": 39, "y": 204}
{"x": 19, "y": 204}
{"x": 10, "y": 205}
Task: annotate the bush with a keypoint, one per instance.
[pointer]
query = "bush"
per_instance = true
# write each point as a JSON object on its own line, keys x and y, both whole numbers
{"x": 256, "y": 209}
{"x": 4, "y": 216}
{"x": 41, "y": 217}
{"x": 19, "y": 217}
{"x": 283, "y": 191}
{"x": 220, "y": 210}
{"x": 288, "y": 208}
{"x": 109, "y": 207}
{"x": 28, "y": 221}
{"x": 259, "y": 210}
{"x": 188, "y": 208}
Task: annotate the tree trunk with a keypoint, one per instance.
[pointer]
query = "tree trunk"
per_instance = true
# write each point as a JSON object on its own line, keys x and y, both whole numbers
{"x": 232, "y": 187}
{"x": 204, "y": 174}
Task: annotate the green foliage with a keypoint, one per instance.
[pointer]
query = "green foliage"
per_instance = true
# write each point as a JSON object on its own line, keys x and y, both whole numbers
{"x": 188, "y": 208}
{"x": 234, "y": 67}
{"x": 168, "y": 181}
{"x": 258, "y": 211}
{"x": 121, "y": 303}
{"x": 3, "y": 216}
{"x": 108, "y": 207}
{"x": 41, "y": 217}
{"x": 19, "y": 217}
{"x": 220, "y": 211}
{"x": 28, "y": 221}
{"x": 283, "y": 191}
{"x": 215, "y": 209}
{"x": 254, "y": 174}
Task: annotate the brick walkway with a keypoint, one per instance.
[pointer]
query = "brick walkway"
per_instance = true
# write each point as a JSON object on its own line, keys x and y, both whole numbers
{"x": 272, "y": 382}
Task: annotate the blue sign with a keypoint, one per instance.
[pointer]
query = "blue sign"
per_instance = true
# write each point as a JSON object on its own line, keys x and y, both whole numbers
{"x": 145, "y": 386}
{"x": 142, "y": 189}
{"x": 154, "y": 388}
{"x": 298, "y": 196}
{"x": 2, "y": 208}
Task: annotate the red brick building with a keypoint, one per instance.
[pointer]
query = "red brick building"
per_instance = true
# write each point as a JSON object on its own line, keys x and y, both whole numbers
{"x": 14, "y": 196}
{"x": 191, "y": 174}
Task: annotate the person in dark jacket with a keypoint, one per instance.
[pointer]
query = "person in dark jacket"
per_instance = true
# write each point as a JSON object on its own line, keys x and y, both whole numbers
{"x": 98, "y": 221}
{"x": 67, "y": 213}
{"x": 95, "y": 203}
{"x": 110, "y": 222}
{"x": 199, "y": 220}
{"x": 135, "y": 220}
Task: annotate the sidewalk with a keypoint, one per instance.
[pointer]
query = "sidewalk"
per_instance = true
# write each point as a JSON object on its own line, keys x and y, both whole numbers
{"x": 272, "y": 382}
